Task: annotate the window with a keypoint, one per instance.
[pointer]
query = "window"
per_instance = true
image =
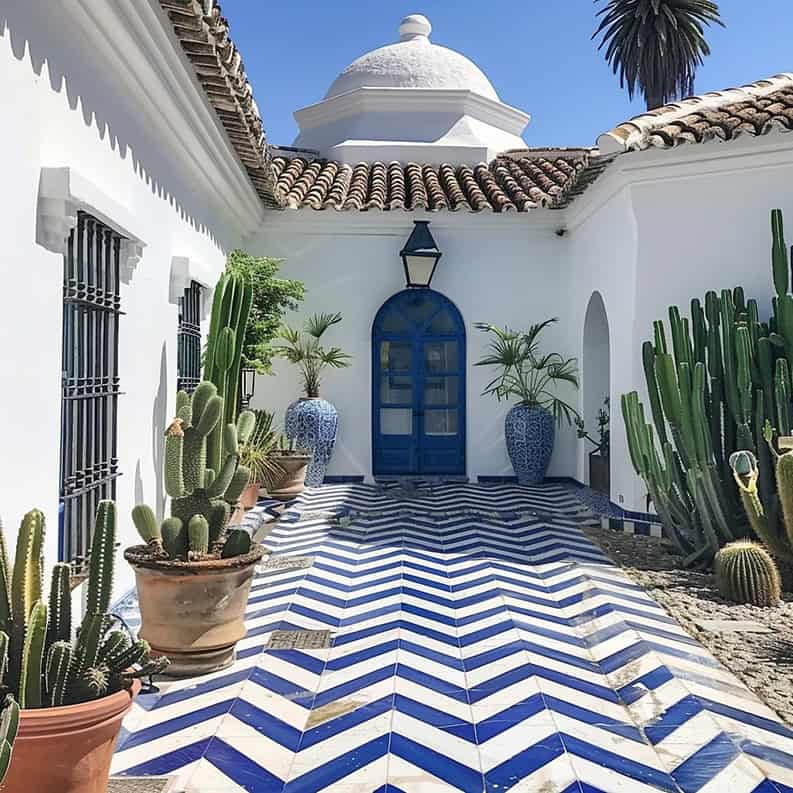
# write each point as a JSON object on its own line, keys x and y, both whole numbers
{"x": 188, "y": 354}
{"x": 90, "y": 383}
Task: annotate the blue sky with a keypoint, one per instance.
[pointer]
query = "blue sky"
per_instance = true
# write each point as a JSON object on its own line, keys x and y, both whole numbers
{"x": 538, "y": 54}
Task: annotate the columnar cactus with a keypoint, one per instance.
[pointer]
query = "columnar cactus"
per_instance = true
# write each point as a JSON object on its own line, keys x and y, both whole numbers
{"x": 202, "y": 496}
{"x": 725, "y": 379}
{"x": 746, "y": 573}
{"x": 40, "y": 664}
{"x": 231, "y": 305}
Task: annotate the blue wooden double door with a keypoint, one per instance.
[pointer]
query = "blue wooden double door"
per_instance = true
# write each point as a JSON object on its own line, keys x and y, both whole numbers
{"x": 418, "y": 380}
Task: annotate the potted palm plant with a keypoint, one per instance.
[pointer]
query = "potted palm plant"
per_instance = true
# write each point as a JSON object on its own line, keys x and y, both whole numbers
{"x": 599, "y": 477}
{"x": 530, "y": 377}
{"x": 310, "y": 421}
{"x": 72, "y": 692}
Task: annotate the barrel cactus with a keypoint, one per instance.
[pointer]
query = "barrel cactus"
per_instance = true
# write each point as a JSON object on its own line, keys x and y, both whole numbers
{"x": 746, "y": 573}
{"x": 203, "y": 497}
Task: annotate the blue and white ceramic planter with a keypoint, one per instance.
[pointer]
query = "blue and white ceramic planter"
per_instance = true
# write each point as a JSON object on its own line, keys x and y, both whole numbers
{"x": 312, "y": 424}
{"x": 530, "y": 433}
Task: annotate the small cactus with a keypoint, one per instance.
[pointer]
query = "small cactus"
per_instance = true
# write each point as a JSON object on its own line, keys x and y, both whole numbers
{"x": 30, "y": 694}
{"x": 174, "y": 539}
{"x": 60, "y": 623}
{"x": 60, "y": 660}
{"x": 198, "y": 537}
{"x": 238, "y": 543}
{"x": 746, "y": 573}
{"x": 9, "y": 724}
{"x": 146, "y": 523}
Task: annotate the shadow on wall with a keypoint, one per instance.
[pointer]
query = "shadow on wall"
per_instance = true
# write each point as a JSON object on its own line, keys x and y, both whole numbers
{"x": 159, "y": 421}
{"x": 41, "y": 43}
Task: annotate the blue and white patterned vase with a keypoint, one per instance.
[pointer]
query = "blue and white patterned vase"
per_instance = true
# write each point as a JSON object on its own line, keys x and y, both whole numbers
{"x": 530, "y": 433}
{"x": 312, "y": 424}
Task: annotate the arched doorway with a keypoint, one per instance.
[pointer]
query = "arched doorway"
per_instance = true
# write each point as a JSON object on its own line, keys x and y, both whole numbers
{"x": 596, "y": 372}
{"x": 418, "y": 386}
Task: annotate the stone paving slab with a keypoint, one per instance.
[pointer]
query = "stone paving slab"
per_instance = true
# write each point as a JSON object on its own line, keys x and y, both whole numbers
{"x": 479, "y": 643}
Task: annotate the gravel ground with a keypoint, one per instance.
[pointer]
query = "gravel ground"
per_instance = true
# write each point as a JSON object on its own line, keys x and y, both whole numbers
{"x": 763, "y": 661}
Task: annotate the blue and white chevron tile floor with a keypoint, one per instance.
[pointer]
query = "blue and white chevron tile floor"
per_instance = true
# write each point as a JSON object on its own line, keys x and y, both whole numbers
{"x": 480, "y": 643}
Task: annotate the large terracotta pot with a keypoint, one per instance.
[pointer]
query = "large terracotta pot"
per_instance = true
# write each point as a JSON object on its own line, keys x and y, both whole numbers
{"x": 293, "y": 482}
{"x": 193, "y": 612}
{"x": 67, "y": 749}
{"x": 250, "y": 496}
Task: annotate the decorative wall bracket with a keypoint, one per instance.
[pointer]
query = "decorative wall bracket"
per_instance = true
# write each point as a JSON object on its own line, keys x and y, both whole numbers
{"x": 62, "y": 194}
{"x": 184, "y": 270}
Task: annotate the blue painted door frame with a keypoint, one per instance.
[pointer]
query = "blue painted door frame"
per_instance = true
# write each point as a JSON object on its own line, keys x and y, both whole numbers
{"x": 418, "y": 386}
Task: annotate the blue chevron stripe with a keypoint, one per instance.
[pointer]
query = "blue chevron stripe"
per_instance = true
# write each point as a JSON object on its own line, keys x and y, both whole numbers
{"x": 484, "y": 619}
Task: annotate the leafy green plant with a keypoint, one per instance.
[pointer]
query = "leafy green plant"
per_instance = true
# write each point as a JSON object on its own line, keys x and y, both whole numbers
{"x": 303, "y": 348}
{"x": 656, "y": 44}
{"x": 272, "y": 298}
{"x": 202, "y": 498}
{"x": 41, "y": 664}
{"x": 603, "y": 442}
{"x": 525, "y": 373}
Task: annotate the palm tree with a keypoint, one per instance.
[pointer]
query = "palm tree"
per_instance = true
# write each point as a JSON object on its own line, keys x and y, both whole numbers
{"x": 656, "y": 44}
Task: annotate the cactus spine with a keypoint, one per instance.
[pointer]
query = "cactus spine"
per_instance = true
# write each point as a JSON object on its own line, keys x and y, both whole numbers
{"x": 725, "y": 379}
{"x": 745, "y": 573}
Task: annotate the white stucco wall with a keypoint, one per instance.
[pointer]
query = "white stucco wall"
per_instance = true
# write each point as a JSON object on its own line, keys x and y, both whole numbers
{"x": 496, "y": 268}
{"x": 69, "y": 103}
{"x": 659, "y": 228}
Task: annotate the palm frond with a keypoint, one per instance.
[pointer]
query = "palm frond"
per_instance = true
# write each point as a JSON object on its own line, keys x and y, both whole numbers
{"x": 656, "y": 45}
{"x": 317, "y": 324}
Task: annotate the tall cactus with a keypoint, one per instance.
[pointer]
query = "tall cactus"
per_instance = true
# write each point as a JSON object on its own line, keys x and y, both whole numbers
{"x": 202, "y": 497}
{"x": 230, "y": 309}
{"x": 726, "y": 378}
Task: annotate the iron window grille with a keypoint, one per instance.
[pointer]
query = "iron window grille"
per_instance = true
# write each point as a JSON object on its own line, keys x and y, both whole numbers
{"x": 90, "y": 381}
{"x": 188, "y": 349}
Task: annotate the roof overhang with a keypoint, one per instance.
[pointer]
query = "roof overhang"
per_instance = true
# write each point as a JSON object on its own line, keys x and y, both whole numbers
{"x": 413, "y": 100}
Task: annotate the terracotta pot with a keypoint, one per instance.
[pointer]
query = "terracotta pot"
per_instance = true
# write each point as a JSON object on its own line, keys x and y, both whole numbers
{"x": 293, "y": 483}
{"x": 250, "y": 496}
{"x": 193, "y": 612}
{"x": 67, "y": 749}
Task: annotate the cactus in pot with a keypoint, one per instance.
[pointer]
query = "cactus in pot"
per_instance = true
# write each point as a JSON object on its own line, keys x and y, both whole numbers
{"x": 202, "y": 498}
{"x": 43, "y": 664}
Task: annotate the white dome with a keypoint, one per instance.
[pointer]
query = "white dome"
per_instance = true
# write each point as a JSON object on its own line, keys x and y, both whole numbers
{"x": 413, "y": 62}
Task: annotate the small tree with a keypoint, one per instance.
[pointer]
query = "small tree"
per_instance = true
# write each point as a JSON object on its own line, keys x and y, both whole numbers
{"x": 272, "y": 298}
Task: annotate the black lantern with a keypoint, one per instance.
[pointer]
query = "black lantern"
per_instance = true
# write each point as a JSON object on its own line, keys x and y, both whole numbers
{"x": 247, "y": 384}
{"x": 420, "y": 255}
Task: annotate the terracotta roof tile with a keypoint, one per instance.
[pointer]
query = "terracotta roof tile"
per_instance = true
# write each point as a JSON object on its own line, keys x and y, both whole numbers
{"x": 754, "y": 109}
{"x": 204, "y": 38}
{"x": 517, "y": 181}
